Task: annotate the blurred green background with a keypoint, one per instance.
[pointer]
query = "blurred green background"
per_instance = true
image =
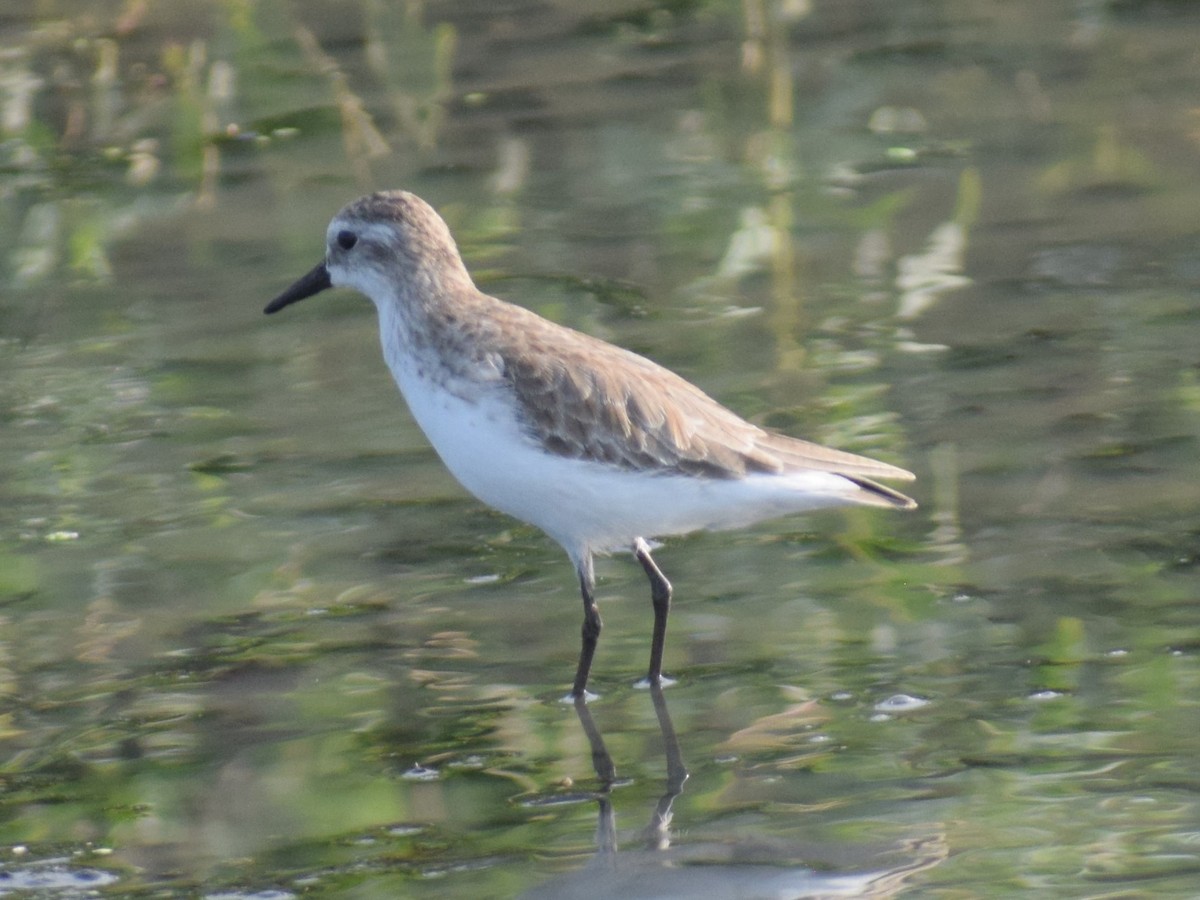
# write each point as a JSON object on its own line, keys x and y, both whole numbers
{"x": 255, "y": 642}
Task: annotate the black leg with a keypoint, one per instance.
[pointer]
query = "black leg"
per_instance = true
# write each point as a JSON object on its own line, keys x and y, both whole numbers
{"x": 660, "y": 594}
{"x": 591, "y": 627}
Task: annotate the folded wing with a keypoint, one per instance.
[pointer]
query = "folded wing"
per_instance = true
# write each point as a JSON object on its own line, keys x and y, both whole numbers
{"x": 590, "y": 400}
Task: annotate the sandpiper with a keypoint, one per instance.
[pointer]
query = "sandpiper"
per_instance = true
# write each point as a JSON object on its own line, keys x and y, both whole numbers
{"x": 600, "y": 448}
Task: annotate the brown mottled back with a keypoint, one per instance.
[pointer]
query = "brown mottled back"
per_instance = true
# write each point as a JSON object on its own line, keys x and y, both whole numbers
{"x": 587, "y": 399}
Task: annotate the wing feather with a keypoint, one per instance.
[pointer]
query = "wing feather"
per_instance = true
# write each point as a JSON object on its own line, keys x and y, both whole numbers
{"x": 586, "y": 399}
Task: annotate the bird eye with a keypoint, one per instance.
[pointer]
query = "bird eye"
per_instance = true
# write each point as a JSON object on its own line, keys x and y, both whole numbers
{"x": 346, "y": 239}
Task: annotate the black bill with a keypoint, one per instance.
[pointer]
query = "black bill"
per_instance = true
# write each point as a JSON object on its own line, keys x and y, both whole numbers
{"x": 313, "y": 283}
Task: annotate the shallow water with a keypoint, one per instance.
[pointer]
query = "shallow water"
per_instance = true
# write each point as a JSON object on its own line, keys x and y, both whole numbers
{"x": 255, "y": 642}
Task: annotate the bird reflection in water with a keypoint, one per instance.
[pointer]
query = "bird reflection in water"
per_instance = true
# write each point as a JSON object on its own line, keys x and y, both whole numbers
{"x": 734, "y": 867}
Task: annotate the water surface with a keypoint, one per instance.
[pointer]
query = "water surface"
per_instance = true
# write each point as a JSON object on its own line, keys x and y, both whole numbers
{"x": 254, "y": 641}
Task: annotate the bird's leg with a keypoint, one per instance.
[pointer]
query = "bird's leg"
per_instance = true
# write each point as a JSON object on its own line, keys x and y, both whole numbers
{"x": 591, "y": 626}
{"x": 660, "y": 594}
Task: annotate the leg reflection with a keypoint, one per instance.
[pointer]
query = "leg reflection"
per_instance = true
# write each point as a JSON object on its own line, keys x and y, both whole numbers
{"x": 606, "y": 824}
{"x": 656, "y": 835}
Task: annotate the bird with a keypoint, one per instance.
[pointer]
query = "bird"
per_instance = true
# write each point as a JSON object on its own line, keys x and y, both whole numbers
{"x": 599, "y": 447}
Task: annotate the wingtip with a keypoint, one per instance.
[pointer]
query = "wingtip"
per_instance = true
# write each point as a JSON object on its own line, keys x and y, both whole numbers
{"x": 882, "y": 495}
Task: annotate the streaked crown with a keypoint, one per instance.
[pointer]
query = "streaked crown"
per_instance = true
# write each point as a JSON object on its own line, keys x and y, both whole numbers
{"x": 391, "y": 242}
